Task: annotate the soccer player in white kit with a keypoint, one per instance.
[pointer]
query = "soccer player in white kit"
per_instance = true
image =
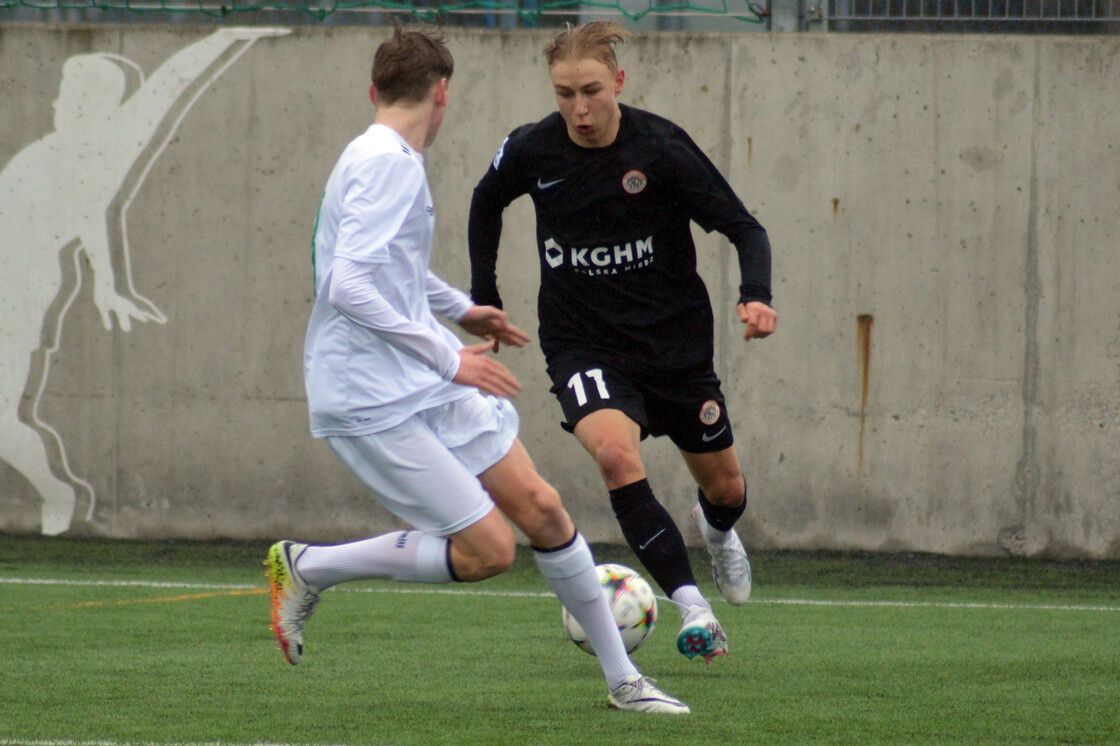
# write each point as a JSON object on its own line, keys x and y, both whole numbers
{"x": 422, "y": 420}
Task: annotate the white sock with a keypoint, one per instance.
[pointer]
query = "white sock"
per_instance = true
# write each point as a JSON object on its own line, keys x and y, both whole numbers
{"x": 404, "y": 556}
{"x": 688, "y": 597}
{"x": 570, "y": 572}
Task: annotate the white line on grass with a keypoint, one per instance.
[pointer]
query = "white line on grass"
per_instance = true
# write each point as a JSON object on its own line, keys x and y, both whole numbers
{"x": 126, "y": 584}
{"x": 939, "y": 605}
{"x": 544, "y": 594}
{"x": 63, "y": 742}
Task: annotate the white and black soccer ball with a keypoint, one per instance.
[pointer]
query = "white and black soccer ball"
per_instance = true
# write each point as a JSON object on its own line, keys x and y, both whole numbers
{"x": 632, "y": 602}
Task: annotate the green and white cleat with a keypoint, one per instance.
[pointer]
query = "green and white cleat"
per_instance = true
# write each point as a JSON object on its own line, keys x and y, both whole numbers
{"x": 639, "y": 694}
{"x": 701, "y": 634}
{"x": 292, "y": 600}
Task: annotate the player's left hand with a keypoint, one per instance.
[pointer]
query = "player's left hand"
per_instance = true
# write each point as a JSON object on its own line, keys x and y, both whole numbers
{"x": 492, "y": 323}
{"x": 759, "y": 318}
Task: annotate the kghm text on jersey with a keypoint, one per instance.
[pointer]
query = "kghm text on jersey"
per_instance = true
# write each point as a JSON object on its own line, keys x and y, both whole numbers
{"x": 601, "y": 260}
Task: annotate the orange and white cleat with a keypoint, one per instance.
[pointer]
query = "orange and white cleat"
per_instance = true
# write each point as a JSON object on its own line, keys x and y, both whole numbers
{"x": 293, "y": 601}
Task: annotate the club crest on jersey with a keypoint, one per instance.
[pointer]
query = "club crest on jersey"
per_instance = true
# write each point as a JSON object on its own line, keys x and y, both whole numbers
{"x": 633, "y": 181}
{"x": 709, "y": 412}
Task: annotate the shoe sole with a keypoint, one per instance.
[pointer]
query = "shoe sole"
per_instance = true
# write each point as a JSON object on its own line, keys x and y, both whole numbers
{"x": 696, "y": 642}
{"x": 702, "y": 641}
{"x": 278, "y": 564}
{"x": 661, "y": 707}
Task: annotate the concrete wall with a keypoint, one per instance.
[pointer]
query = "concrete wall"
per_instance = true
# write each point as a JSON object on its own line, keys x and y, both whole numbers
{"x": 943, "y": 212}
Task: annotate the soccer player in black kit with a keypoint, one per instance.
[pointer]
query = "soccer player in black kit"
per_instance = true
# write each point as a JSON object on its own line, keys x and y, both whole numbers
{"x": 626, "y": 325}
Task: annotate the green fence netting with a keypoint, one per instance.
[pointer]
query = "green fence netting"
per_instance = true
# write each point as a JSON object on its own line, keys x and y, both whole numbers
{"x": 741, "y": 11}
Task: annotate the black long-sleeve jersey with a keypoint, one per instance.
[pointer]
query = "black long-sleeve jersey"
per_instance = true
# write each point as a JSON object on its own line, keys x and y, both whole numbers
{"x": 617, "y": 259}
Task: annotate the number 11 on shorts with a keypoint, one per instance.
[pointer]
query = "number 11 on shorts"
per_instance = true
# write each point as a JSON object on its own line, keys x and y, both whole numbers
{"x": 575, "y": 383}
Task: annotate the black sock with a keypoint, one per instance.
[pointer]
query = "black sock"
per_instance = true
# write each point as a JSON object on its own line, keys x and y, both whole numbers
{"x": 651, "y": 533}
{"x": 721, "y": 517}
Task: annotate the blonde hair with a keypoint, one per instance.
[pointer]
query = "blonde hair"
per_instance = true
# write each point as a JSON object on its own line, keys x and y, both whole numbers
{"x": 593, "y": 40}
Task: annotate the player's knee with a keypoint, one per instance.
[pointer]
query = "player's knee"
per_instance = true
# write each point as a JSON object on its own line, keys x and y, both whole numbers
{"x": 550, "y": 522}
{"x": 728, "y": 490}
{"x": 545, "y": 503}
{"x": 618, "y": 463}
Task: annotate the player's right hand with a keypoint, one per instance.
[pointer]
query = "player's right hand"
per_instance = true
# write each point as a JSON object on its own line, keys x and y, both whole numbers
{"x": 493, "y": 324}
{"x": 486, "y": 373}
{"x": 759, "y": 319}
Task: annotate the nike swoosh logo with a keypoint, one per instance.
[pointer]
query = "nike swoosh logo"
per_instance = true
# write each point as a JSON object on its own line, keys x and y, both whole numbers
{"x": 709, "y": 437}
{"x": 546, "y": 184}
{"x": 651, "y": 539}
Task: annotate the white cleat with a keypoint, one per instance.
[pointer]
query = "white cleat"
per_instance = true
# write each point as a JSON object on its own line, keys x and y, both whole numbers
{"x": 292, "y": 600}
{"x": 639, "y": 694}
{"x": 731, "y": 568}
{"x": 701, "y": 634}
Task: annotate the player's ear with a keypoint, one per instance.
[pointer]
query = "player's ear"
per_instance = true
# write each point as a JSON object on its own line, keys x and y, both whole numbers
{"x": 619, "y": 79}
{"x": 441, "y": 91}
{"x": 373, "y": 94}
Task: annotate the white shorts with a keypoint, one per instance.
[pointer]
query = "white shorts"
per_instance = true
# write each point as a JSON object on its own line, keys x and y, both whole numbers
{"x": 425, "y": 470}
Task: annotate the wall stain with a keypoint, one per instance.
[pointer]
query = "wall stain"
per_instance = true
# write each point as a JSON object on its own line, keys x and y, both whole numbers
{"x": 864, "y": 323}
{"x": 835, "y": 205}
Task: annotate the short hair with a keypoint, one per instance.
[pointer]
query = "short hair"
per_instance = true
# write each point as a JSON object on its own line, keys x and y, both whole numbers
{"x": 593, "y": 40}
{"x": 408, "y": 64}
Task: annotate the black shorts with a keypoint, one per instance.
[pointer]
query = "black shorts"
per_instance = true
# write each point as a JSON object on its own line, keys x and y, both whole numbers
{"x": 686, "y": 405}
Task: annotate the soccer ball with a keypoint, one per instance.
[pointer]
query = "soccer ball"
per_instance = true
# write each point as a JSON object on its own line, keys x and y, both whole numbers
{"x": 632, "y": 602}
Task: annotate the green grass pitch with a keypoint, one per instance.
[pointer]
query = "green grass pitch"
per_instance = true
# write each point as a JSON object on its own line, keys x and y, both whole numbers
{"x": 168, "y": 643}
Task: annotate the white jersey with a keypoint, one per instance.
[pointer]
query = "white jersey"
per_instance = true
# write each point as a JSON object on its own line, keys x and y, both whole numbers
{"x": 375, "y": 353}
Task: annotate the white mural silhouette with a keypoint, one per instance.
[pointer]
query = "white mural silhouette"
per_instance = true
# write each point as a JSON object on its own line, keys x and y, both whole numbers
{"x": 58, "y": 195}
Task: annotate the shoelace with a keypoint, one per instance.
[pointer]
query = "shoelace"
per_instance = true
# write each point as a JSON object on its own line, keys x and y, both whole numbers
{"x": 645, "y": 688}
{"x": 733, "y": 561}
